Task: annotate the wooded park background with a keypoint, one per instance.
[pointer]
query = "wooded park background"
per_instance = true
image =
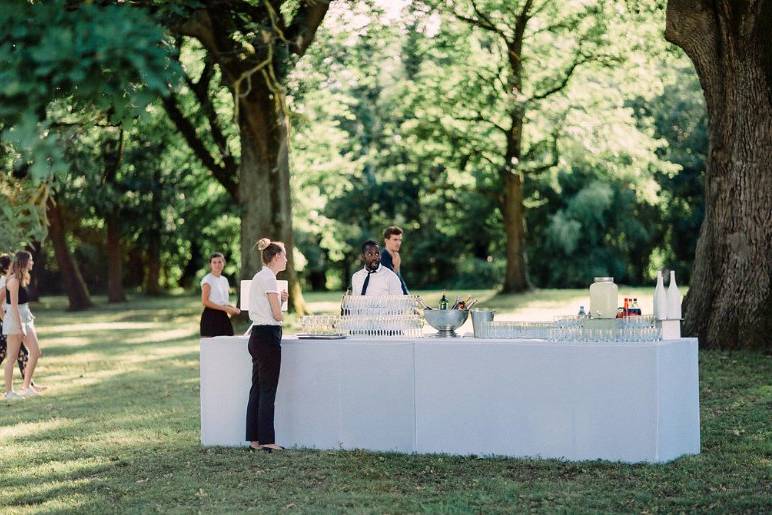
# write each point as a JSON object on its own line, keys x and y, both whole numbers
{"x": 519, "y": 144}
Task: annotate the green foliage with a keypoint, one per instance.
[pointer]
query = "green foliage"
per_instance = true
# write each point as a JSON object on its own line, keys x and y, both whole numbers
{"x": 111, "y": 58}
{"x": 400, "y": 121}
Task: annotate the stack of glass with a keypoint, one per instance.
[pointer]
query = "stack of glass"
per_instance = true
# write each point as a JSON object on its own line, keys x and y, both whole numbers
{"x": 387, "y": 315}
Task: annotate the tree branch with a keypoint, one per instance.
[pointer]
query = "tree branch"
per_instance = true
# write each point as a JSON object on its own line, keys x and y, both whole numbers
{"x": 223, "y": 175}
{"x": 201, "y": 91}
{"x": 301, "y": 32}
{"x": 579, "y": 59}
{"x": 553, "y": 146}
{"x": 481, "y": 118}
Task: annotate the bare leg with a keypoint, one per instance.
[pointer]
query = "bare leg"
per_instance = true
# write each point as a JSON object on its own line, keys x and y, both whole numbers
{"x": 31, "y": 342}
{"x": 14, "y": 344}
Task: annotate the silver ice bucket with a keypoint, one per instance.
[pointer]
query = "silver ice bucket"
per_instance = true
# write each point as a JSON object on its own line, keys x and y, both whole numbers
{"x": 481, "y": 322}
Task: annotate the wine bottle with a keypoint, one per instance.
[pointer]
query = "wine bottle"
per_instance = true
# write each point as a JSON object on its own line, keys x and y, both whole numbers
{"x": 443, "y": 301}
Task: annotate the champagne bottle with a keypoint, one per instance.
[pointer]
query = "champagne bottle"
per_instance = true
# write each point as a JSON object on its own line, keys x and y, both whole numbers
{"x": 443, "y": 301}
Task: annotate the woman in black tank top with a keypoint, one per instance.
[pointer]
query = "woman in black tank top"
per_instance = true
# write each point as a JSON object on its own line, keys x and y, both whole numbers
{"x": 23, "y": 295}
{"x": 18, "y": 326}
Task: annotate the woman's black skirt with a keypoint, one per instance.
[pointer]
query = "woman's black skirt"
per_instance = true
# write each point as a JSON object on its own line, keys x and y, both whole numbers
{"x": 215, "y": 323}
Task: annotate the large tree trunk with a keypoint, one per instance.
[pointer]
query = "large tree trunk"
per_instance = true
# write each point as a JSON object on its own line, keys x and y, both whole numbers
{"x": 513, "y": 210}
{"x": 153, "y": 258}
{"x": 264, "y": 186}
{"x": 192, "y": 266}
{"x": 39, "y": 257}
{"x": 153, "y": 243}
{"x": 115, "y": 292}
{"x": 728, "y": 41}
{"x": 73, "y": 282}
{"x": 515, "y": 279}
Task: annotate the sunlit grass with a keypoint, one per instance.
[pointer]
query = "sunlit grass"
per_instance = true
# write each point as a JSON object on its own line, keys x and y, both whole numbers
{"x": 118, "y": 430}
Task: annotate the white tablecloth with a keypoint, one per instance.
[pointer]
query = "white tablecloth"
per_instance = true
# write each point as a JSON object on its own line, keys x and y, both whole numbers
{"x": 626, "y": 402}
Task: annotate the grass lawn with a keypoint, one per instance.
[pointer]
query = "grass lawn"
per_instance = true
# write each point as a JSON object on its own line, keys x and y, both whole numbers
{"x": 118, "y": 430}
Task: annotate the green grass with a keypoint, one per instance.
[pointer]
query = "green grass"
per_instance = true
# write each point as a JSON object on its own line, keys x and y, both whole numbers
{"x": 118, "y": 431}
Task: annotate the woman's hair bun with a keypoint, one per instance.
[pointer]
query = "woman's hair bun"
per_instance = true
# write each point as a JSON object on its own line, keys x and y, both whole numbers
{"x": 263, "y": 243}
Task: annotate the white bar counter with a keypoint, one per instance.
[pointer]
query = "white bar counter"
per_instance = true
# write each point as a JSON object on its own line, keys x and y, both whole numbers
{"x": 629, "y": 402}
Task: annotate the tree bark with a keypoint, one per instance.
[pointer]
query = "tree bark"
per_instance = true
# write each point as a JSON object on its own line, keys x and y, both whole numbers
{"x": 264, "y": 186}
{"x": 263, "y": 189}
{"x": 115, "y": 292}
{"x": 74, "y": 285}
{"x": 35, "y": 248}
{"x": 513, "y": 210}
{"x": 153, "y": 252}
{"x": 728, "y": 41}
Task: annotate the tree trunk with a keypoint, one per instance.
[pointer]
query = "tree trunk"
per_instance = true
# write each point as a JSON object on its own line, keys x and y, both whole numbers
{"x": 512, "y": 210}
{"x": 153, "y": 250}
{"x": 153, "y": 257}
{"x": 264, "y": 186}
{"x": 192, "y": 266}
{"x": 38, "y": 256}
{"x": 728, "y": 301}
{"x": 73, "y": 282}
{"x": 115, "y": 292}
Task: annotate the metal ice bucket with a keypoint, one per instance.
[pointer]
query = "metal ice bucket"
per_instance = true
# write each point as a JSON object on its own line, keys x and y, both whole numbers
{"x": 446, "y": 321}
{"x": 481, "y": 322}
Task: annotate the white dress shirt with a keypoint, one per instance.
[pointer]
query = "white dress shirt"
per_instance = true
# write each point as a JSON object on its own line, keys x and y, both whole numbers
{"x": 382, "y": 282}
{"x": 263, "y": 282}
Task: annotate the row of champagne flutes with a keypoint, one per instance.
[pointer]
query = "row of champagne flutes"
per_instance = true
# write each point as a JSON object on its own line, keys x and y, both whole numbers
{"x": 515, "y": 330}
{"x": 627, "y": 329}
{"x": 379, "y": 305}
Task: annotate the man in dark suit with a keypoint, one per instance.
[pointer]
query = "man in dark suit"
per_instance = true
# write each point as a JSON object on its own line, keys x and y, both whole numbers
{"x": 390, "y": 258}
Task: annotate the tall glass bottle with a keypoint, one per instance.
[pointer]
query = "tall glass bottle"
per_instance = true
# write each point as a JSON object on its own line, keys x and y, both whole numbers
{"x": 673, "y": 299}
{"x": 660, "y": 298}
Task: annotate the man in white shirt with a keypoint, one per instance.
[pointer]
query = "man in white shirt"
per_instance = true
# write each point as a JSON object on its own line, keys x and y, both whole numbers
{"x": 374, "y": 278}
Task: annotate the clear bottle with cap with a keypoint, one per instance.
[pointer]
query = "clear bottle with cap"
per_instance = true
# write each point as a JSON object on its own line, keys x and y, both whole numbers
{"x": 603, "y": 298}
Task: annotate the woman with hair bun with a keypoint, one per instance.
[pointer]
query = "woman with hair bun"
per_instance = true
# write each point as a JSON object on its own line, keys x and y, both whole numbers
{"x": 265, "y": 301}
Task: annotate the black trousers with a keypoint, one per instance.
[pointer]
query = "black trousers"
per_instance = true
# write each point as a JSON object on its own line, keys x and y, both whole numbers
{"x": 265, "y": 349}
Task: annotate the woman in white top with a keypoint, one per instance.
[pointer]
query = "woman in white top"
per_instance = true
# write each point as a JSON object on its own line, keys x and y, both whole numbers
{"x": 18, "y": 325}
{"x": 215, "y": 296}
{"x": 265, "y": 301}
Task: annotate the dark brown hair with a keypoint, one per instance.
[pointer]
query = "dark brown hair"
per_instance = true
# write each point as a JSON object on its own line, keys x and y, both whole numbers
{"x": 19, "y": 267}
{"x": 5, "y": 262}
{"x": 269, "y": 249}
{"x": 391, "y": 231}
